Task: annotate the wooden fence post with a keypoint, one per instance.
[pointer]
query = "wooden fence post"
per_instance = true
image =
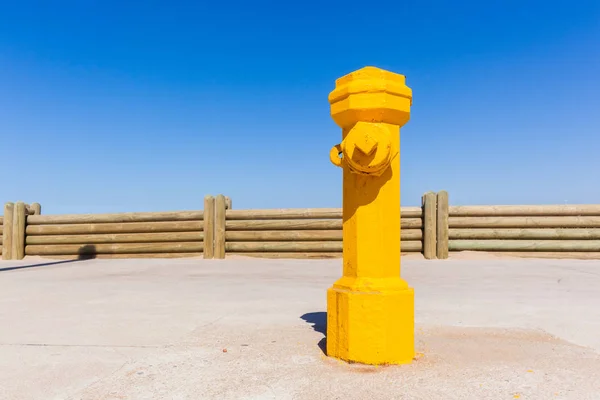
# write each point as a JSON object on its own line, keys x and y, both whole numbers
{"x": 209, "y": 226}
{"x": 429, "y": 225}
{"x": 7, "y": 231}
{"x": 442, "y": 225}
{"x": 220, "y": 218}
{"x": 18, "y": 238}
{"x": 35, "y": 209}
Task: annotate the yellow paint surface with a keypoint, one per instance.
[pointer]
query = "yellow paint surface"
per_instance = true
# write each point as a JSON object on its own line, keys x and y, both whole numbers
{"x": 370, "y": 309}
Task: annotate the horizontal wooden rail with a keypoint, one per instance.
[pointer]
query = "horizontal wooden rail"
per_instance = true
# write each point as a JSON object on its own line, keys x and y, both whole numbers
{"x": 114, "y": 218}
{"x": 580, "y": 255}
{"x": 305, "y": 213}
{"x": 525, "y": 245}
{"x": 304, "y": 224}
{"x": 524, "y": 222}
{"x": 123, "y": 227}
{"x": 323, "y": 246}
{"x": 289, "y": 254}
{"x": 125, "y": 255}
{"x": 116, "y": 238}
{"x": 507, "y": 233}
{"x": 284, "y": 213}
{"x": 525, "y": 210}
{"x": 115, "y": 248}
{"x": 292, "y": 224}
{"x": 304, "y": 235}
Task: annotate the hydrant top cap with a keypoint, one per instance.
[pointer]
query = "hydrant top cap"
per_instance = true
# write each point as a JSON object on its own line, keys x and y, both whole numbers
{"x": 370, "y": 80}
{"x": 370, "y": 73}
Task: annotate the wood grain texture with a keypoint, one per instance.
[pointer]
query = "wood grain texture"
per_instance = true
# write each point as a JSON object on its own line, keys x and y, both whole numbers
{"x": 305, "y": 213}
{"x": 123, "y": 255}
{"x": 7, "y": 231}
{"x": 114, "y": 248}
{"x": 429, "y": 202}
{"x": 121, "y": 227}
{"x": 220, "y": 210}
{"x": 116, "y": 238}
{"x": 301, "y": 224}
{"x": 300, "y": 247}
{"x": 525, "y": 210}
{"x": 524, "y": 222}
{"x": 288, "y": 255}
{"x": 557, "y": 255}
{"x": 525, "y": 245}
{"x": 114, "y": 218}
{"x": 209, "y": 227}
{"x": 36, "y": 208}
{"x": 516, "y": 233}
{"x": 18, "y": 234}
{"x": 442, "y": 225}
{"x": 303, "y": 235}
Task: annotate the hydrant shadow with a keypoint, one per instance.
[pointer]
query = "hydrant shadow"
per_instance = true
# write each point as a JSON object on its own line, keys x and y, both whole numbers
{"x": 363, "y": 197}
{"x": 319, "y": 324}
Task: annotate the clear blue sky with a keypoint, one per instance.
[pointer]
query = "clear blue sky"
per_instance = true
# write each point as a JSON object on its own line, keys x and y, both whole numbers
{"x": 145, "y": 106}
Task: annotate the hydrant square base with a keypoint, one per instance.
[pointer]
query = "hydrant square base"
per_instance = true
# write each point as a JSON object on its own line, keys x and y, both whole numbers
{"x": 373, "y": 328}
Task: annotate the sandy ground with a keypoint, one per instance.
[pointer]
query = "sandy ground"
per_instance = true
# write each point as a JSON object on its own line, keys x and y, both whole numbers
{"x": 499, "y": 328}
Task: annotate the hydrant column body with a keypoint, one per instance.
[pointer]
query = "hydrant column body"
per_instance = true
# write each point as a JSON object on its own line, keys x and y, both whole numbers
{"x": 370, "y": 310}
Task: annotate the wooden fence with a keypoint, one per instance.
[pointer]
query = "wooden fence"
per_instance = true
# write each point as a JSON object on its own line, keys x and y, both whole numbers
{"x": 299, "y": 233}
{"x": 434, "y": 229}
{"x": 556, "y": 231}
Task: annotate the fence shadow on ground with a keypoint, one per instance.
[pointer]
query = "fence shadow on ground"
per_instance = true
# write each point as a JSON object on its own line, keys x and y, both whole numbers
{"x": 86, "y": 252}
{"x": 319, "y": 324}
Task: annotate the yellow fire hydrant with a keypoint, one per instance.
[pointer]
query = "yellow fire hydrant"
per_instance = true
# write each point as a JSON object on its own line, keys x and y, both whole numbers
{"x": 370, "y": 310}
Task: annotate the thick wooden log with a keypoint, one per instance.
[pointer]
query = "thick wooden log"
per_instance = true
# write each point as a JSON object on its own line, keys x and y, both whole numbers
{"x": 557, "y": 255}
{"x": 429, "y": 202}
{"x": 114, "y": 218}
{"x": 302, "y": 224}
{"x": 18, "y": 234}
{"x": 282, "y": 236}
{"x": 285, "y": 213}
{"x": 7, "y": 231}
{"x": 304, "y": 235}
{"x": 209, "y": 227}
{"x": 306, "y": 213}
{"x": 291, "y": 224}
{"x": 36, "y": 208}
{"x": 302, "y": 247}
{"x": 524, "y": 222}
{"x": 442, "y": 225}
{"x": 132, "y": 255}
{"x": 115, "y": 248}
{"x": 220, "y": 210}
{"x": 124, "y": 227}
{"x": 507, "y": 233}
{"x": 525, "y": 245}
{"x": 526, "y": 210}
{"x": 116, "y": 238}
{"x": 293, "y": 255}
{"x": 288, "y": 255}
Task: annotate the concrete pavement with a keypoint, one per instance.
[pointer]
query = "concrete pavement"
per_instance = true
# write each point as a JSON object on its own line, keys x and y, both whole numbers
{"x": 254, "y": 329}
